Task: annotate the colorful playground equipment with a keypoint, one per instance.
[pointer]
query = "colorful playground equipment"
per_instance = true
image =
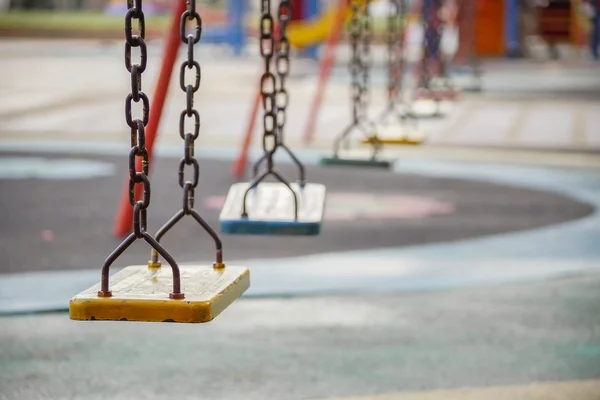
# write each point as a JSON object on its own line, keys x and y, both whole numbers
{"x": 148, "y": 292}
{"x": 342, "y": 12}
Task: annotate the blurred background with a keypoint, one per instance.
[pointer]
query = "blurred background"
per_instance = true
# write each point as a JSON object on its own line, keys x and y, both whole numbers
{"x": 462, "y": 266}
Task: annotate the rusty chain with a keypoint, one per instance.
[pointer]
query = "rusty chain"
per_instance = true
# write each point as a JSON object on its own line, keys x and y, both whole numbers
{"x": 282, "y": 66}
{"x": 189, "y": 87}
{"x": 356, "y": 64}
{"x": 273, "y": 118}
{"x": 138, "y": 149}
{"x": 395, "y": 48}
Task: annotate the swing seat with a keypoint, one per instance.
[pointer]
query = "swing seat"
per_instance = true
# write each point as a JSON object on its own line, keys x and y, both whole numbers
{"x": 394, "y": 136}
{"x": 356, "y": 159}
{"x": 270, "y": 209}
{"x": 437, "y": 94}
{"x": 140, "y": 293}
{"x": 473, "y": 87}
{"x": 425, "y": 108}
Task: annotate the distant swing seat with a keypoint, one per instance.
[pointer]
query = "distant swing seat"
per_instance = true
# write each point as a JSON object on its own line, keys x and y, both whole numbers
{"x": 273, "y": 208}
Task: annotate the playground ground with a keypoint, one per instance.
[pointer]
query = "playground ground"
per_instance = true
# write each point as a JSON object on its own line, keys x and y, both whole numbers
{"x": 470, "y": 271}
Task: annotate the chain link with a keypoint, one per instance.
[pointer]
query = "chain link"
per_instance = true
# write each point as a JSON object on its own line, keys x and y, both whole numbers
{"x": 395, "y": 48}
{"x": 280, "y": 94}
{"x": 366, "y": 59}
{"x": 268, "y": 83}
{"x": 138, "y": 149}
{"x": 356, "y": 64}
{"x": 361, "y": 35}
{"x": 137, "y": 125}
{"x": 282, "y": 63}
{"x": 189, "y": 83}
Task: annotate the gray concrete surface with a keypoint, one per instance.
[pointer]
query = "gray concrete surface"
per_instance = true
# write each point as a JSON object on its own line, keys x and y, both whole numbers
{"x": 524, "y": 104}
{"x": 65, "y": 222}
{"x": 57, "y": 99}
{"x": 318, "y": 347}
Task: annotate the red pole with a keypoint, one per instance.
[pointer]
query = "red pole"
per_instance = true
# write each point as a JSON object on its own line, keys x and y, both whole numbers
{"x": 239, "y": 165}
{"x": 123, "y": 222}
{"x": 326, "y": 65}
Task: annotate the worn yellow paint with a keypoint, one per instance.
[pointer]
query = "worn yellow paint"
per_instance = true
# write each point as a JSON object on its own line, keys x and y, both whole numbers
{"x": 407, "y": 135}
{"x": 400, "y": 140}
{"x": 580, "y": 390}
{"x": 141, "y": 294}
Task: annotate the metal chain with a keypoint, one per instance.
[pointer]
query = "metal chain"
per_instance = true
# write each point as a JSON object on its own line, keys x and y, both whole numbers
{"x": 267, "y": 83}
{"x": 282, "y": 63}
{"x": 138, "y": 149}
{"x": 273, "y": 118}
{"x": 356, "y": 65}
{"x": 137, "y": 125}
{"x": 361, "y": 35}
{"x": 395, "y": 50}
{"x": 396, "y": 64}
{"x": 366, "y": 59}
{"x": 189, "y": 138}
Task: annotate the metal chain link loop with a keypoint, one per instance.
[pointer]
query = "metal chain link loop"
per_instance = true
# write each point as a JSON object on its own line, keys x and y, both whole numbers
{"x": 282, "y": 64}
{"x": 356, "y": 65}
{"x": 273, "y": 118}
{"x": 138, "y": 149}
{"x": 190, "y": 84}
{"x": 137, "y": 125}
{"x": 268, "y": 83}
{"x": 366, "y": 59}
{"x": 281, "y": 96}
{"x": 189, "y": 87}
{"x": 395, "y": 49}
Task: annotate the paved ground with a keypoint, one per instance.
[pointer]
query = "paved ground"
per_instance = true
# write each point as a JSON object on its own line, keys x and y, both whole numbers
{"x": 447, "y": 315}
{"x": 69, "y": 221}
{"x": 318, "y": 347}
{"x": 533, "y": 105}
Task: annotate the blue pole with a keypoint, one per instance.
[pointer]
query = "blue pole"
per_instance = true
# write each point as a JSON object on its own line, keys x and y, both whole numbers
{"x": 511, "y": 28}
{"x": 236, "y": 11}
{"x": 311, "y": 10}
